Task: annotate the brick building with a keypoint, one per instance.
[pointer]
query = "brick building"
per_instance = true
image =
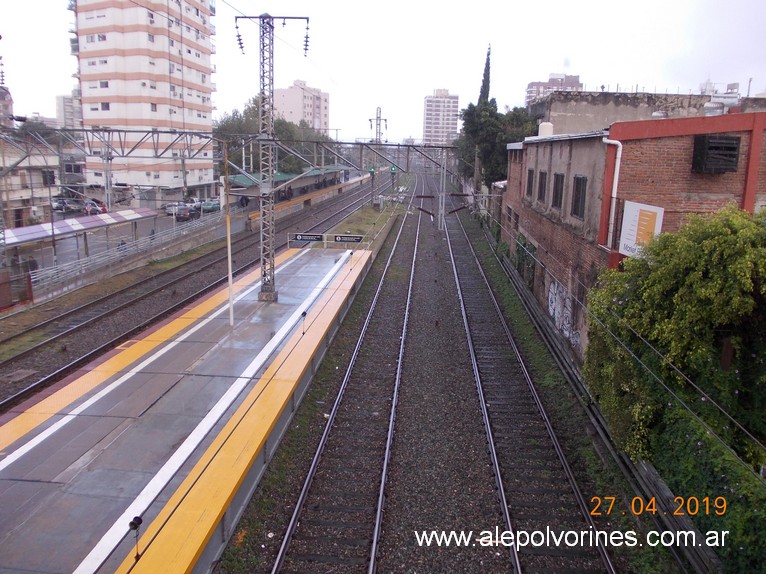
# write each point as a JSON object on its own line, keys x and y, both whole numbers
{"x": 575, "y": 204}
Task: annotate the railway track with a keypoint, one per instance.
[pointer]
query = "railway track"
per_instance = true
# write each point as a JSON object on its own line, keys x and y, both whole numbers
{"x": 40, "y": 353}
{"x": 336, "y": 522}
{"x": 537, "y": 487}
{"x": 686, "y": 558}
{"x": 338, "y": 518}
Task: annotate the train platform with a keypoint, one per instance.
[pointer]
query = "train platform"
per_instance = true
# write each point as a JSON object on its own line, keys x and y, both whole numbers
{"x": 143, "y": 460}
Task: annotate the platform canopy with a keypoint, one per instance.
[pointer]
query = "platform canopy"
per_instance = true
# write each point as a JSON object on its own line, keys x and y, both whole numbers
{"x": 74, "y": 225}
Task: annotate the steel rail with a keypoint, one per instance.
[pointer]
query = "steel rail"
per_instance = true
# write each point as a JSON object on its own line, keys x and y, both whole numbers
{"x": 579, "y": 498}
{"x": 514, "y": 555}
{"x": 319, "y": 452}
{"x": 75, "y": 364}
{"x": 394, "y": 401}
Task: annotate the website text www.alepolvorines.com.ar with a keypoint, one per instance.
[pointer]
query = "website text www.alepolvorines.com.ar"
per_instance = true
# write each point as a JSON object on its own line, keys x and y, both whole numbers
{"x": 568, "y": 538}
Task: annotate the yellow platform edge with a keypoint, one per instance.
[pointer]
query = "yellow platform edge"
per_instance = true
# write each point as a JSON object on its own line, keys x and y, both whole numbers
{"x": 40, "y": 412}
{"x": 175, "y": 539}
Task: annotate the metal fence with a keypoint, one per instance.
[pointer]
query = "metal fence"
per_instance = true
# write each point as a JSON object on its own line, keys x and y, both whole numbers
{"x": 54, "y": 280}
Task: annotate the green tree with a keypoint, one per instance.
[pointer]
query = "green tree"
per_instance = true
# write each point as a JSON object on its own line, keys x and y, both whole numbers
{"x": 236, "y": 126}
{"x": 699, "y": 298}
{"x": 481, "y": 145}
{"x": 484, "y": 92}
{"x": 489, "y": 131}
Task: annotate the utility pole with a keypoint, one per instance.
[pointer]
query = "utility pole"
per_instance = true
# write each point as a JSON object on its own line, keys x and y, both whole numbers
{"x": 183, "y": 173}
{"x": 377, "y": 121}
{"x": 268, "y": 290}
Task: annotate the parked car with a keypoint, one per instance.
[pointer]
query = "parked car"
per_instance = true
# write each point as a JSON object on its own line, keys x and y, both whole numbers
{"x": 171, "y": 207}
{"x": 186, "y": 213}
{"x": 100, "y": 203}
{"x": 73, "y": 205}
{"x": 57, "y": 203}
{"x": 194, "y": 202}
{"x": 92, "y": 208}
{"x": 211, "y": 205}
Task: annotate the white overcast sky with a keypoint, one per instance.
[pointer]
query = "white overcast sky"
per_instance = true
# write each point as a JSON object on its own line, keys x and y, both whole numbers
{"x": 391, "y": 54}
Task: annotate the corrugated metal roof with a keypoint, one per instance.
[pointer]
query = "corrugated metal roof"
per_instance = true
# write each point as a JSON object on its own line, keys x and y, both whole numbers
{"x": 31, "y": 233}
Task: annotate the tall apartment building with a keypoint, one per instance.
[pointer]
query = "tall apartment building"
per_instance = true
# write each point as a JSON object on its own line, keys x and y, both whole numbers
{"x": 440, "y": 118}
{"x": 555, "y": 83}
{"x": 299, "y": 103}
{"x": 69, "y": 110}
{"x": 147, "y": 67}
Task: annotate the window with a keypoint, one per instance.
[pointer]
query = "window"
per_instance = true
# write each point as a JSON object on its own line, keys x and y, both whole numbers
{"x": 94, "y": 107}
{"x": 90, "y": 38}
{"x": 150, "y": 37}
{"x": 91, "y": 62}
{"x": 105, "y": 106}
{"x": 102, "y": 37}
{"x": 102, "y": 61}
{"x": 558, "y": 190}
{"x": 715, "y": 153}
{"x": 578, "y": 196}
{"x": 153, "y": 107}
{"x": 542, "y": 185}
{"x": 103, "y": 84}
{"x": 530, "y": 181}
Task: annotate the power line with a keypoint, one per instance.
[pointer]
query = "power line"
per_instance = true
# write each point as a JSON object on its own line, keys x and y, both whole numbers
{"x": 667, "y": 361}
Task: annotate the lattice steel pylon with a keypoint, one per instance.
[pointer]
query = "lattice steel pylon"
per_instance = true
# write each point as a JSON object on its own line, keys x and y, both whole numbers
{"x": 268, "y": 290}
{"x": 266, "y": 135}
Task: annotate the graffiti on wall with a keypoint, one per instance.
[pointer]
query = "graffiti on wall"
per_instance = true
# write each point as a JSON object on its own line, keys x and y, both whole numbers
{"x": 560, "y": 310}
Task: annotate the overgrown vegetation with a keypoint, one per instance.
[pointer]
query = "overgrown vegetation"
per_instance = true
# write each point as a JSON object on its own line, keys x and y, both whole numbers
{"x": 677, "y": 362}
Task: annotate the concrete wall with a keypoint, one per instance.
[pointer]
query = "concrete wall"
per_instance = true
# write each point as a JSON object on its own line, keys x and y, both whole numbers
{"x": 577, "y": 112}
{"x": 566, "y": 257}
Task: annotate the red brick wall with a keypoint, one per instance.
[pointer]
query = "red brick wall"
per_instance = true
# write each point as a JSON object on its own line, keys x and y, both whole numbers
{"x": 658, "y": 172}
{"x": 760, "y": 198}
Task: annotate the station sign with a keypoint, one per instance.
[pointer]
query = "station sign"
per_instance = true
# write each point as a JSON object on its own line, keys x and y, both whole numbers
{"x": 348, "y": 238}
{"x": 308, "y": 237}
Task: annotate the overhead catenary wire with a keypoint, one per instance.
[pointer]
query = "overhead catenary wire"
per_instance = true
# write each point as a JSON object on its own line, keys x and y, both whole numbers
{"x": 664, "y": 359}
